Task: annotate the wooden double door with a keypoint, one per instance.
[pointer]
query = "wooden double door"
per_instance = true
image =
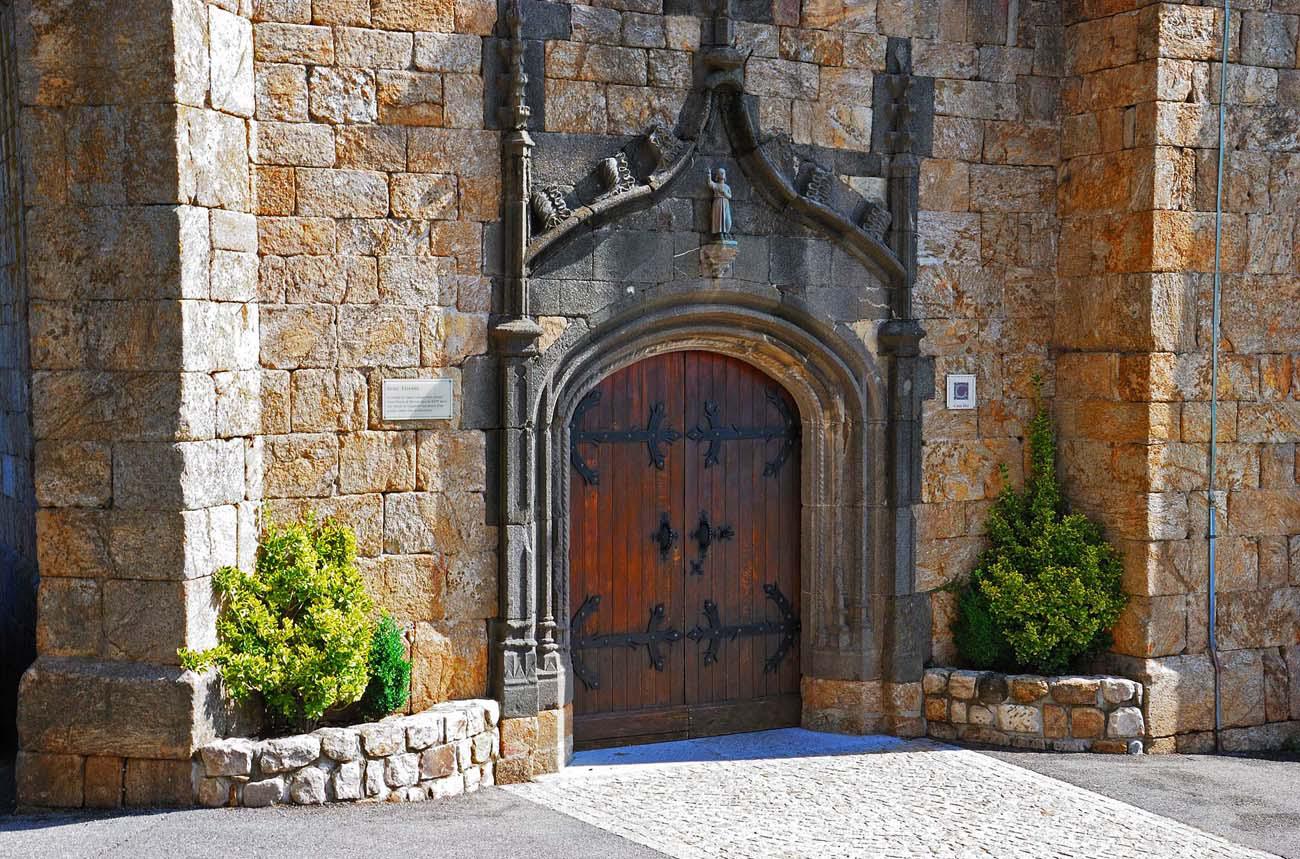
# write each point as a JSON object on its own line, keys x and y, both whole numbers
{"x": 684, "y": 552}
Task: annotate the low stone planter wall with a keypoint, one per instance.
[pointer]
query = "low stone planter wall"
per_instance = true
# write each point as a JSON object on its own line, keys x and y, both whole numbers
{"x": 1064, "y": 714}
{"x": 444, "y": 751}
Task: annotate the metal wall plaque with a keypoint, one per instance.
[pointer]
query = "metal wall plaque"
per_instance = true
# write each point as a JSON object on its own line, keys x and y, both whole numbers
{"x": 961, "y": 391}
{"x": 417, "y": 399}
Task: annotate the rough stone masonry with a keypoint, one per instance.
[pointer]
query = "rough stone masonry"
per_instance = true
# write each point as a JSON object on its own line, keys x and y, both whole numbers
{"x": 227, "y": 222}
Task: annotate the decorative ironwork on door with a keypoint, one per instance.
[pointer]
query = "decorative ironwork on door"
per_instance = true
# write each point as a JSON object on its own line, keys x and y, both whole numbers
{"x": 654, "y": 436}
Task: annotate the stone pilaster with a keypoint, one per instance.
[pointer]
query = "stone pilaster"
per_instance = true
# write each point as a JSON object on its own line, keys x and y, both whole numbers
{"x": 144, "y": 343}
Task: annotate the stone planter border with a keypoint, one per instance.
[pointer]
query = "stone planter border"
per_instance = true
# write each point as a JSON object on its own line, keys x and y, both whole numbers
{"x": 1026, "y": 711}
{"x": 446, "y": 750}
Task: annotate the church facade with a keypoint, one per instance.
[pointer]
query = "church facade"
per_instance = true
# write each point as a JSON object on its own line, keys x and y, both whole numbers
{"x": 666, "y": 356}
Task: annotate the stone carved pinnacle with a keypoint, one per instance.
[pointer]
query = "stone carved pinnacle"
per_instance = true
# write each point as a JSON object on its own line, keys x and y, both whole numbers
{"x": 515, "y": 112}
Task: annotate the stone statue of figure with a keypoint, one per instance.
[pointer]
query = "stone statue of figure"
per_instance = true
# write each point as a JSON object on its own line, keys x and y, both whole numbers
{"x": 721, "y": 203}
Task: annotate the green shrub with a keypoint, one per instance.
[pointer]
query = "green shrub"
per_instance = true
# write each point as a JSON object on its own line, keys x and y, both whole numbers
{"x": 1047, "y": 590}
{"x": 390, "y": 671}
{"x": 297, "y": 629}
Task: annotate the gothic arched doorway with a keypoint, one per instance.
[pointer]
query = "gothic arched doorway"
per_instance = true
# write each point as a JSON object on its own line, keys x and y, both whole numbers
{"x": 684, "y": 552}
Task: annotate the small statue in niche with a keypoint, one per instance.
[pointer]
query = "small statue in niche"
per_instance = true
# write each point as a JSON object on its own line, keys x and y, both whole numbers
{"x": 721, "y": 222}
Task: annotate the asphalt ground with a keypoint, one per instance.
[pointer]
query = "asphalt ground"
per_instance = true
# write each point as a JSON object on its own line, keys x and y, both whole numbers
{"x": 1253, "y": 801}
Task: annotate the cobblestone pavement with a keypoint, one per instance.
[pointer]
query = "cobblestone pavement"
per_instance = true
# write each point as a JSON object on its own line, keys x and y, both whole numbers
{"x": 799, "y": 795}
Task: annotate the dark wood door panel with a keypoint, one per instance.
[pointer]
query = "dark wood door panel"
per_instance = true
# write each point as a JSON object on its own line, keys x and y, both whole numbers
{"x": 684, "y": 562}
{"x": 627, "y": 481}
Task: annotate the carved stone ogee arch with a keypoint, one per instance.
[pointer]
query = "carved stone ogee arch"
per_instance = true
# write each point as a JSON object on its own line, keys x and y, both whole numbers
{"x": 861, "y": 412}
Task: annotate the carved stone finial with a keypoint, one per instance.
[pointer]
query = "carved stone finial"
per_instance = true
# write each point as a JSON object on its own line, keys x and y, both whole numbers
{"x": 664, "y": 144}
{"x": 616, "y": 174}
{"x": 875, "y": 220}
{"x": 549, "y": 207}
{"x": 820, "y": 185}
{"x": 899, "y": 82}
{"x": 515, "y": 112}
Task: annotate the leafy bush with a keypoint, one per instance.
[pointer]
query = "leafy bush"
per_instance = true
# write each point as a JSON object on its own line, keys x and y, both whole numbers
{"x": 298, "y": 628}
{"x": 1047, "y": 590}
{"x": 390, "y": 671}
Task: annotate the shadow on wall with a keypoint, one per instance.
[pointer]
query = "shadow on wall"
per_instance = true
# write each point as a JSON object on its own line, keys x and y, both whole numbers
{"x": 17, "y": 638}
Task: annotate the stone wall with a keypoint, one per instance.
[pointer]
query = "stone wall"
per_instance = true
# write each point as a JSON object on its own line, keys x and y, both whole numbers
{"x": 374, "y": 179}
{"x": 444, "y": 751}
{"x": 17, "y": 498}
{"x": 1134, "y": 327}
{"x": 1024, "y": 711}
{"x": 144, "y": 338}
{"x": 988, "y": 232}
{"x": 244, "y": 216}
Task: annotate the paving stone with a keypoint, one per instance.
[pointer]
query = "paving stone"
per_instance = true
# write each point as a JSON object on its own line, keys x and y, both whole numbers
{"x": 854, "y": 797}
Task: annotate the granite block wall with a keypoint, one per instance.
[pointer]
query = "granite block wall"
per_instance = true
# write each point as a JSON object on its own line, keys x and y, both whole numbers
{"x": 242, "y": 216}
{"x": 1134, "y": 329}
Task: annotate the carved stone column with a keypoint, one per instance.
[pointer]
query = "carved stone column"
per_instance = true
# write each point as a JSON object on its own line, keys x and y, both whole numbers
{"x": 911, "y": 381}
{"x": 515, "y": 636}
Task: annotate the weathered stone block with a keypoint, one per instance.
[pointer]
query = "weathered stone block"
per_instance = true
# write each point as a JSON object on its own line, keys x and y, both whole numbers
{"x": 298, "y": 336}
{"x": 340, "y": 744}
{"x": 293, "y": 43}
{"x": 50, "y": 780}
{"x": 936, "y": 708}
{"x": 73, "y": 474}
{"x": 961, "y": 684}
{"x": 402, "y": 770}
{"x": 1087, "y": 722}
{"x": 230, "y": 43}
{"x": 449, "y": 661}
{"x": 935, "y": 681}
{"x": 378, "y": 336}
{"x": 368, "y": 48}
{"x": 158, "y": 783}
{"x": 415, "y": 281}
{"x": 307, "y": 786}
{"x": 371, "y": 147}
{"x": 415, "y": 15}
{"x": 281, "y": 92}
{"x": 1118, "y": 691}
{"x": 1020, "y": 718}
{"x": 266, "y": 792}
{"x": 425, "y": 196}
{"x": 424, "y": 730}
{"x": 342, "y": 193}
{"x": 346, "y": 782}
{"x": 288, "y": 753}
{"x": 383, "y": 738}
{"x": 300, "y": 465}
{"x": 233, "y": 757}
{"x": 410, "y": 98}
{"x": 448, "y": 52}
{"x": 448, "y": 337}
{"x": 438, "y": 762}
{"x": 377, "y": 462}
{"x": 1125, "y": 723}
{"x": 215, "y": 792}
{"x": 1076, "y": 690}
{"x": 328, "y": 400}
{"x": 184, "y": 476}
{"x": 103, "y": 780}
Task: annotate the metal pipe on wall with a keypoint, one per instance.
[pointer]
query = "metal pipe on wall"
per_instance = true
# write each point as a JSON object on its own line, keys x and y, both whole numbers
{"x": 1216, "y": 318}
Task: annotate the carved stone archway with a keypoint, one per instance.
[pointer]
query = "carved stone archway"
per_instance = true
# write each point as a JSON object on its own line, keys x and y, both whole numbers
{"x": 860, "y": 406}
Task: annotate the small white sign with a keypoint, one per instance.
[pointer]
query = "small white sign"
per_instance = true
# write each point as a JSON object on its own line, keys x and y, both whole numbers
{"x": 961, "y": 390}
{"x": 417, "y": 399}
